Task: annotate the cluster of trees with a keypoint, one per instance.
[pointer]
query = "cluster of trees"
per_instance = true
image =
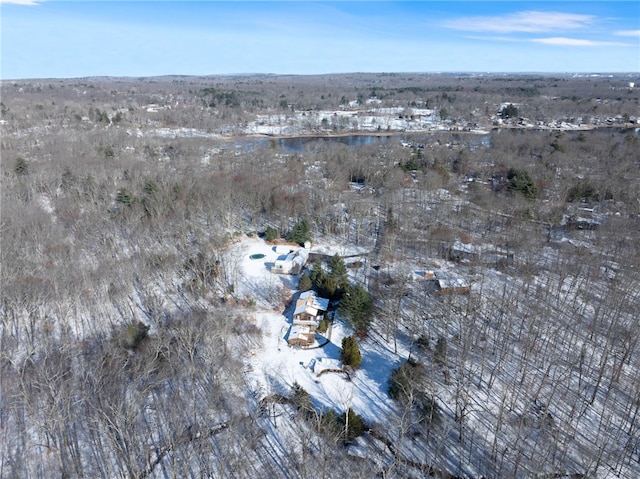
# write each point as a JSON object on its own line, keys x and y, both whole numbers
{"x": 408, "y": 385}
{"x": 300, "y": 233}
{"x": 521, "y": 182}
{"x": 355, "y": 301}
{"x": 332, "y": 284}
{"x": 357, "y": 306}
{"x": 330, "y": 423}
{"x": 509, "y": 111}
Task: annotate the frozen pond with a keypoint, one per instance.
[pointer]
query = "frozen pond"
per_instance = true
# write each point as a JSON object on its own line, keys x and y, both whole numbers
{"x": 301, "y": 144}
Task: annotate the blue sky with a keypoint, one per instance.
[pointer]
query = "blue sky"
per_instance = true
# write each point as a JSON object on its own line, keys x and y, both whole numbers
{"x": 56, "y": 39}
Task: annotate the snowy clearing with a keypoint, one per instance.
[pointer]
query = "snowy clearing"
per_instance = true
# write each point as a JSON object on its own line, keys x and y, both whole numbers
{"x": 275, "y": 367}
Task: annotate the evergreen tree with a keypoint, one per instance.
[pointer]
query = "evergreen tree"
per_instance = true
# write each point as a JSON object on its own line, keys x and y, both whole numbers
{"x": 356, "y": 425}
{"x": 301, "y": 398}
{"x": 317, "y": 275}
{"x": 327, "y": 288}
{"x": 338, "y": 272}
{"x": 136, "y": 333}
{"x": 150, "y": 187}
{"x": 305, "y": 283}
{"x": 323, "y": 325}
{"x": 407, "y": 385}
{"x": 521, "y": 182}
{"x": 403, "y": 378}
{"x": 357, "y": 306}
{"x": 440, "y": 353}
{"x": 124, "y": 197}
{"x": 300, "y": 233}
{"x": 271, "y": 234}
{"x": 350, "y": 353}
{"x": 509, "y": 111}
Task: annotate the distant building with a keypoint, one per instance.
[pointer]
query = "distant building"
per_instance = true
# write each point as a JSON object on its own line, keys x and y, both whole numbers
{"x": 444, "y": 283}
{"x": 585, "y": 220}
{"x": 485, "y": 254}
{"x": 449, "y": 284}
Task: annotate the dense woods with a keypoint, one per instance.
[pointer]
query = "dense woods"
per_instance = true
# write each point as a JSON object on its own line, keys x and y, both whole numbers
{"x": 123, "y": 333}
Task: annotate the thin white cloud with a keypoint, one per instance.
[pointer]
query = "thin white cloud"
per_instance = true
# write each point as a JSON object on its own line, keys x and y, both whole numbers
{"x": 525, "y": 22}
{"x": 577, "y": 42}
{"x": 495, "y": 38}
{"x": 628, "y": 33}
{"x": 21, "y": 2}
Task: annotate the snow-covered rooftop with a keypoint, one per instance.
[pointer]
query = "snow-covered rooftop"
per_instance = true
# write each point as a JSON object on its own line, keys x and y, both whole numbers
{"x": 309, "y": 298}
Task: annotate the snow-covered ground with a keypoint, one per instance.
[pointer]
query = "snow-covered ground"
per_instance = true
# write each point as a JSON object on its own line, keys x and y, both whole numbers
{"x": 491, "y": 383}
{"x": 182, "y": 133}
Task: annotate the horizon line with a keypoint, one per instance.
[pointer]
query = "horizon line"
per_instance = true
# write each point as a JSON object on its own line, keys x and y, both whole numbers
{"x": 218, "y": 75}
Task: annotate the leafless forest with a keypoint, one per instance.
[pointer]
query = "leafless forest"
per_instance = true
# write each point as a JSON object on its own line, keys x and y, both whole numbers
{"x": 123, "y": 340}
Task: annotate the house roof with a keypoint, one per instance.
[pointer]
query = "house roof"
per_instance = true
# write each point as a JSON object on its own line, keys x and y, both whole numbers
{"x": 296, "y": 257}
{"x": 451, "y": 282}
{"x": 464, "y": 247}
{"x": 303, "y": 308}
{"x": 301, "y": 332}
{"x": 285, "y": 258}
{"x": 309, "y": 302}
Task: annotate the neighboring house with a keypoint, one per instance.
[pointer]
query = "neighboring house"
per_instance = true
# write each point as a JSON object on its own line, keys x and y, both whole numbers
{"x": 310, "y": 309}
{"x": 291, "y": 263}
{"x": 449, "y": 284}
{"x": 485, "y": 254}
{"x": 442, "y": 283}
{"x": 586, "y": 222}
{"x": 460, "y": 251}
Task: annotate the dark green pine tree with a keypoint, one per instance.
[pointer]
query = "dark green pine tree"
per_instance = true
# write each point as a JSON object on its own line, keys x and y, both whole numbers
{"x": 300, "y": 233}
{"x": 338, "y": 272}
{"x": 271, "y": 234}
{"x": 357, "y": 306}
{"x": 305, "y": 283}
{"x": 317, "y": 275}
{"x": 350, "y": 353}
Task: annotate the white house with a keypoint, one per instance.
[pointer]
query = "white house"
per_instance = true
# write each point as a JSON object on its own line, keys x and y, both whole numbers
{"x": 291, "y": 263}
{"x": 309, "y": 312}
{"x": 309, "y": 308}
